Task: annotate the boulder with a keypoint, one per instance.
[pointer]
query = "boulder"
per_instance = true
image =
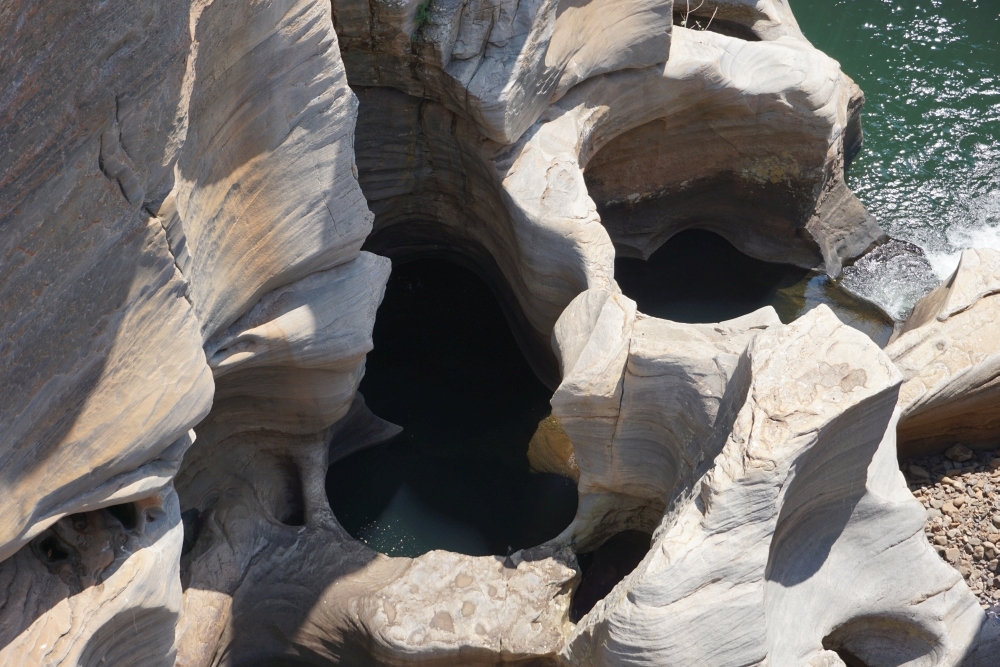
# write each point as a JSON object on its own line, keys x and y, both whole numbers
{"x": 949, "y": 353}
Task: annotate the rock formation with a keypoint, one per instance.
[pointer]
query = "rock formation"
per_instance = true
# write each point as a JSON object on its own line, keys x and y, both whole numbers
{"x": 949, "y": 353}
{"x": 187, "y": 310}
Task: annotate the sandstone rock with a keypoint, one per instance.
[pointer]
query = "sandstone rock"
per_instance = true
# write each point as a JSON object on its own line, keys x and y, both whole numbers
{"x": 746, "y": 531}
{"x": 948, "y": 352}
{"x": 69, "y": 598}
{"x": 102, "y": 368}
{"x": 959, "y": 453}
{"x": 184, "y": 222}
{"x": 184, "y": 163}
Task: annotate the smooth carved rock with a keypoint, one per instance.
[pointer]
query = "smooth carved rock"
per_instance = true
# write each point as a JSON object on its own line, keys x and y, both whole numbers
{"x": 639, "y": 400}
{"x": 187, "y": 162}
{"x": 802, "y": 528}
{"x": 498, "y": 64}
{"x": 265, "y": 188}
{"x": 96, "y": 586}
{"x": 949, "y": 352}
{"x": 262, "y": 504}
{"x": 202, "y": 155}
{"x": 101, "y": 361}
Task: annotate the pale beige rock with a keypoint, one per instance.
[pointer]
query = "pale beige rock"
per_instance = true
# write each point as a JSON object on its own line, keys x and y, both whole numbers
{"x": 96, "y": 591}
{"x": 101, "y": 367}
{"x": 187, "y": 161}
{"x": 638, "y": 405}
{"x": 265, "y": 183}
{"x": 803, "y": 528}
{"x": 206, "y": 154}
{"x": 263, "y": 509}
{"x": 949, "y": 352}
{"x": 293, "y": 362}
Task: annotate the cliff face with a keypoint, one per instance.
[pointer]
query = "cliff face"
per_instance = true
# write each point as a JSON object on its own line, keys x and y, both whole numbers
{"x": 184, "y": 193}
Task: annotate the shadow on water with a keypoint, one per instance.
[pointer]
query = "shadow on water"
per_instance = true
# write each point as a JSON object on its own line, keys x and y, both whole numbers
{"x": 697, "y": 276}
{"x": 447, "y": 369}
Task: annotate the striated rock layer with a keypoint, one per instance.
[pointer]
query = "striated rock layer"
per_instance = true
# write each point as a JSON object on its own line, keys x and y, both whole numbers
{"x": 183, "y": 204}
{"x": 949, "y": 353}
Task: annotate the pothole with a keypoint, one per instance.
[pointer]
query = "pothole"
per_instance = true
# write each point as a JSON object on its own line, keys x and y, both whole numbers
{"x": 882, "y": 641}
{"x": 697, "y": 276}
{"x": 604, "y": 567}
{"x": 446, "y": 368}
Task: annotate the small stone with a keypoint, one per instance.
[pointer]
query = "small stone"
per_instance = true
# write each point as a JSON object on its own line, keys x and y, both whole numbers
{"x": 964, "y": 570}
{"x": 951, "y": 555}
{"x": 959, "y": 453}
{"x": 949, "y": 508}
{"x": 995, "y": 464}
{"x": 978, "y": 553}
{"x": 996, "y": 520}
{"x": 936, "y": 503}
{"x": 918, "y": 472}
{"x": 941, "y": 540}
{"x": 958, "y": 501}
{"x": 933, "y": 513}
{"x": 974, "y": 541}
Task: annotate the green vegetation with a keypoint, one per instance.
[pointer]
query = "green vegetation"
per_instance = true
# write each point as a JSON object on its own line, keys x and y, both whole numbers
{"x": 421, "y": 18}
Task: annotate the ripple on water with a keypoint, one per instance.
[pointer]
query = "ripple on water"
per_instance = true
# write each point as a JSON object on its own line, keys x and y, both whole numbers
{"x": 930, "y": 167}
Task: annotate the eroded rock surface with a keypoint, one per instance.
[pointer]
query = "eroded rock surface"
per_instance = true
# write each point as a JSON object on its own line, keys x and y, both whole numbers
{"x": 793, "y": 529}
{"x": 183, "y": 220}
{"x": 949, "y": 353}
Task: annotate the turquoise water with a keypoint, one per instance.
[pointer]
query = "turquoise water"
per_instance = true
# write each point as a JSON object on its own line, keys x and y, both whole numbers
{"x": 930, "y": 167}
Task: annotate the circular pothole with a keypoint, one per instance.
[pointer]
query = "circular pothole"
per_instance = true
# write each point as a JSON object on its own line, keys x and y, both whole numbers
{"x": 699, "y": 277}
{"x": 447, "y": 369}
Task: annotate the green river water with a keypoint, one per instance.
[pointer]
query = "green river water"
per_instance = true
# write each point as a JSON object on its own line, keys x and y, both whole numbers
{"x": 930, "y": 69}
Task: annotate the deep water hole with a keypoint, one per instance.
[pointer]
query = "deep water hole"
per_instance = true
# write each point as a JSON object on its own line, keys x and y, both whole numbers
{"x": 448, "y": 370}
{"x": 698, "y": 277}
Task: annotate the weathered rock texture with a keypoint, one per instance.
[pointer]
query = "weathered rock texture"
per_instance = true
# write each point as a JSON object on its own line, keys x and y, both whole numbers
{"x": 183, "y": 220}
{"x": 949, "y": 352}
{"x": 179, "y": 201}
{"x": 792, "y": 522}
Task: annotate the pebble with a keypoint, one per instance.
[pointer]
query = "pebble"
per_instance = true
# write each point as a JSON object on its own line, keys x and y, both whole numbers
{"x": 959, "y": 453}
{"x": 962, "y": 506}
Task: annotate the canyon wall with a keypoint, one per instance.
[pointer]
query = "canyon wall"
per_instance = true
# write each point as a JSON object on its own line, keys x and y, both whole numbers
{"x": 185, "y": 192}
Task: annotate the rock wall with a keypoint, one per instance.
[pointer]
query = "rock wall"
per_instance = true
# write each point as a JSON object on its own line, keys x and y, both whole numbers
{"x": 184, "y": 209}
{"x": 180, "y": 205}
{"x": 949, "y": 353}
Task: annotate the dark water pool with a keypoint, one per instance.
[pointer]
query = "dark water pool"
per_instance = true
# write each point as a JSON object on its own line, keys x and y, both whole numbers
{"x": 447, "y": 369}
{"x": 698, "y": 276}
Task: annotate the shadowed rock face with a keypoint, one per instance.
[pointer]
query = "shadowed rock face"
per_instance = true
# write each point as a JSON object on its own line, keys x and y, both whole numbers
{"x": 183, "y": 206}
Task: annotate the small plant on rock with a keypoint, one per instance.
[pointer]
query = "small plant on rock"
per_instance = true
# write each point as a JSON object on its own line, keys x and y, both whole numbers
{"x": 421, "y": 18}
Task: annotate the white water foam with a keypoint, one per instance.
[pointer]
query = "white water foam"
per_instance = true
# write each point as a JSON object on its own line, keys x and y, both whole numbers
{"x": 944, "y": 262}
